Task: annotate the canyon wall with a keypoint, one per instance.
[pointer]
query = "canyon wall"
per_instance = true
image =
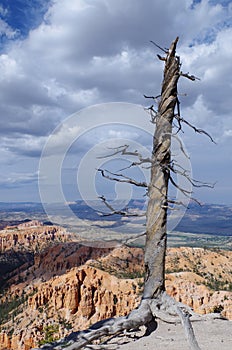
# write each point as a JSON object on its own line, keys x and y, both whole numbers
{"x": 69, "y": 286}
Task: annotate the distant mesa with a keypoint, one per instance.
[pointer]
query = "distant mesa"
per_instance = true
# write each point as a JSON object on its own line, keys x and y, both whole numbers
{"x": 25, "y": 225}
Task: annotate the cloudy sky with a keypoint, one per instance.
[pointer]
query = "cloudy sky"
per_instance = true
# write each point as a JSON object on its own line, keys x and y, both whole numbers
{"x": 60, "y": 56}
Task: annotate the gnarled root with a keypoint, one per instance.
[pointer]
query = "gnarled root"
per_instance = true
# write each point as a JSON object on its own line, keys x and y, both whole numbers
{"x": 164, "y": 308}
{"x": 77, "y": 340}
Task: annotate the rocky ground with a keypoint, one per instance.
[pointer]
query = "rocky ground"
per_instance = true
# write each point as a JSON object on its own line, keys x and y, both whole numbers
{"x": 211, "y": 335}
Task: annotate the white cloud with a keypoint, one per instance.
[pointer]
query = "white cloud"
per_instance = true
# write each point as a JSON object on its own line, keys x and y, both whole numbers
{"x": 8, "y": 67}
{"x": 85, "y": 53}
{"x": 18, "y": 179}
{"x": 228, "y": 133}
{"x": 26, "y": 145}
{"x": 62, "y": 138}
{"x": 3, "y": 11}
{"x": 121, "y": 134}
{"x": 199, "y": 113}
{"x": 6, "y": 30}
{"x": 67, "y": 64}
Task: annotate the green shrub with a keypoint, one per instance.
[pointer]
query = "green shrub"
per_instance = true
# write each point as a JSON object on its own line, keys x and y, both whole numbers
{"x": 49, "y": 334}
{"x": 11, "y": 308}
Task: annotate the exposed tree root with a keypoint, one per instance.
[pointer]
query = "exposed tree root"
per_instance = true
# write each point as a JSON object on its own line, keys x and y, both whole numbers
{"x": 108, "y": 327}
{"x": 164, "y": 308}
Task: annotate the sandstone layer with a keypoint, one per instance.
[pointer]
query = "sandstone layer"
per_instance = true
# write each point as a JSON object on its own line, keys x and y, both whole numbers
{"x": 70, "y": 286}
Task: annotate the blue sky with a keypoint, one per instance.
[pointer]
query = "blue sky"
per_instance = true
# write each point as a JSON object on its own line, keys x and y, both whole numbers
{"x": 58, "y": 57}
{"x": 21, "y": 17}
{"x": 24, "y": 15}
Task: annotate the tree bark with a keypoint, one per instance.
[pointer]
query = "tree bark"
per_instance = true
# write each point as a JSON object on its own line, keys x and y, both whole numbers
{"x": 156, "y": 237}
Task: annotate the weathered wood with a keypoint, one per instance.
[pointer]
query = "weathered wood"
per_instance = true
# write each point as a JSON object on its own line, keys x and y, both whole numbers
{"x": 78, "y": 340}
{"x": 156, "y": 238}
{"x": 155, "y": 302}
{"x": 189, "y": 333}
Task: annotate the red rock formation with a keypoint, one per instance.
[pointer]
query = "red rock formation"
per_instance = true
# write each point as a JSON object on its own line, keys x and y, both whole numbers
{"x": 186, "y": 289}
{"x": 81, "y": 297}
{"x": 70, "y": 288}
{"x": 31, "y": 238}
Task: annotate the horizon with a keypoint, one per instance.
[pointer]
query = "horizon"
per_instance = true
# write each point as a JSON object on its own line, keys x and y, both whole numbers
{"x": 96, "y": 200}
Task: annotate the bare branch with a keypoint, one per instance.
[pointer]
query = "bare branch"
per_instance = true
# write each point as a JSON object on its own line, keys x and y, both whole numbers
{"x": 172, "y": 201}
{"x": 123, "y": 178}
{"x": 174, "y": 163}
{"x": 199, "y": 131}
{"x": 190, "y": 77}
{"x": 124, "y": 151}
{"x": 153, "y": 113}
{"x": 159, "y": 47}
{"x": 166, "y": 206}
{"x": 107, "y": 204}
{"x": 161, "y": 58}
{"x": 185, "y": 192}
{"x": 116, "y": 212}
{"x": 152, "y": 97}
{"x": 194, "y": 183}
{"x": 178, "y": 113}
{"x": 181, "y": 145}
{"x": 120, "y": 149}
{"x": 132, "y": 239}
{"x": 137, "y": 164}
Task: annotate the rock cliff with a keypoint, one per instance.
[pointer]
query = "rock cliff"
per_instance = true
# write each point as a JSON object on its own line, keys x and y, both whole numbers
{"x": 20, "y": 243}
{"x": 70, "y": 286}
{"x": 30, "y": 236}
{"x": 74, "y": 300}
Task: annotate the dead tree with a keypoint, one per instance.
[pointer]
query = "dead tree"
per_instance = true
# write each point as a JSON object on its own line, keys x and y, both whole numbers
{"x": 155, "y": 303}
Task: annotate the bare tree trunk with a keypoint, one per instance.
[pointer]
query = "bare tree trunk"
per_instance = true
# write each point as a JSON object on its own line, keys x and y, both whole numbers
{"x": 156, "y": 237}
{"x": 155, "y": 302}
